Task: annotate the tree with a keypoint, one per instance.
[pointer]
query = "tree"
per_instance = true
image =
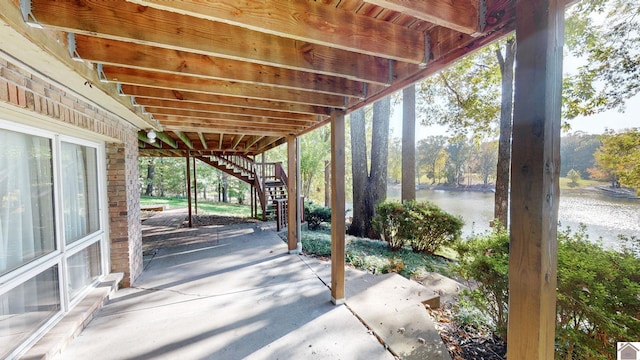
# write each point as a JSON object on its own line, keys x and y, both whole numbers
{"x": 486, "y": 160}
{"x": 369, "y": 187}
{"x": 503, "y": 164}
{"x": 395, "y": 165}
{"x": 458, "y": 151}
{"x": 576, "y": 152}
{"x": 611, "y": 50}
{"x": 430, "y": 151}
{"x": 315, "y": 148}
{"x": 151, "y": 171}
{"x": 619, "y": 157}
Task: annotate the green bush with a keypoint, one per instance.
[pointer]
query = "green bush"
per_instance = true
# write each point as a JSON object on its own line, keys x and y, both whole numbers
{"x": 428, "y": 228}
{"x": 387, "y": 221}
{"x": 315, "y": 215}
{"x": 598, "y": 298}
{"x": 424, "y": 226}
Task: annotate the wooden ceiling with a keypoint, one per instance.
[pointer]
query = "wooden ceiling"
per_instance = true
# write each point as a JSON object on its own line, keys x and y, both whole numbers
{"x": 240, "y": 76}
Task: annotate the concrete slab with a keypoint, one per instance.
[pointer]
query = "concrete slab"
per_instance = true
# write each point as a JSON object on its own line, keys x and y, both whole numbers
{"x": 236, "y": 296}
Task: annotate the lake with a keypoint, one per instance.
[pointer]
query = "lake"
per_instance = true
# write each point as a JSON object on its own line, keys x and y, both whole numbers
{"x": 605, "y": 217}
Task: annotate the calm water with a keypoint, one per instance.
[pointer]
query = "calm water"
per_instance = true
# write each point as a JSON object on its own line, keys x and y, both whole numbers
{"x": 604, "y": 217}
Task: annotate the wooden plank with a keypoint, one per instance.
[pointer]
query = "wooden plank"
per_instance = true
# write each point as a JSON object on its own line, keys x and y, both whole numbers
{"x": 140, "y": 92}
{"x": 230, "y": 130}
{"x": 259, "y": 123}
{"x": 236, "y": 141}
{"x": 145, "y": 57}
{"x": 218, "y": 87}
{"x": 189, "y": 216}
{"x": 292, "y": 207}
{"x": 308, "y": 21}
{"x": 222, "y": 116}
{"x": 461, "y": 16}
{"x": 221, "y": 109}
{"x": 185, "y": 139}
{"x": 203, "y": 140}
{"x": 337, "y": 207}
{"x": 409, "y": 143}
{"x": 535, "y": 170}
{"x": 121, "y": 20}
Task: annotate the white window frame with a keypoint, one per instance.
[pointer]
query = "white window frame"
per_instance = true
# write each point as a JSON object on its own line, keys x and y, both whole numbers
{"x": 63, "y": 251}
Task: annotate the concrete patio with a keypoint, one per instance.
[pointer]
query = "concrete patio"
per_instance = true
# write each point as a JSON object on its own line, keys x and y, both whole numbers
{"x": 233, "y": 292}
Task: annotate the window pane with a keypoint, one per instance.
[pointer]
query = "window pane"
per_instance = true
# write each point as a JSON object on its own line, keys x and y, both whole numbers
{"x": 26, "y": 195}
{"x": 83, "y": 268}
{"x": 79, "y": 191}
{"x": 24, "y": 309}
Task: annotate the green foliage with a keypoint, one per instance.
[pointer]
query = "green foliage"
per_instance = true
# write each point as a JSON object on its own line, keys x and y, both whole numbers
{"x": 576, "y": 152}
{"x": 598, "y": 296}
{"x": 574, "y": 176}
{"x": 424, "y": 226}
{"x": 619, "y": 156}
{"x": 387, "y": 221}
{"x": 485, "y": 259}
{"x": 428, "y": 228}
{"x": 374, "y": 255}
{"x": 315, "y": 215}
{"x": 611, "y": 50}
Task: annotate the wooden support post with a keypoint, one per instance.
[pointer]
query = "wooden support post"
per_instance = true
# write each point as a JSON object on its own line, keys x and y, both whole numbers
{"x": 535, "y": 166}
{"x": 195, "y": 186}
{"x": 189, "y": 215}
{"x": 337, "y": 206}
{"x": 292, "y": 202}
{"x": 409, "y": 143}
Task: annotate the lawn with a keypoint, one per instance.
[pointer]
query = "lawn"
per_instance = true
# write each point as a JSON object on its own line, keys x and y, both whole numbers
{"x": 204, "y": 207}
{"x": 582, "y": 183}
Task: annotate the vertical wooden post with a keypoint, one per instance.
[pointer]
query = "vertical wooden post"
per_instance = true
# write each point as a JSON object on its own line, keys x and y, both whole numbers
{"x": 409, "y": 143}
{"x": 535, "y": 167}
{"x": 337, "y": 206}
{"x": 189, "y": 215}
{"x": 195, "y": 186}
{"x": 292, "y": 207}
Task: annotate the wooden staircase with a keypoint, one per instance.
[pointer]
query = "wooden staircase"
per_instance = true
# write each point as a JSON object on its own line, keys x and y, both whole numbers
{"x": 268, "y": 179}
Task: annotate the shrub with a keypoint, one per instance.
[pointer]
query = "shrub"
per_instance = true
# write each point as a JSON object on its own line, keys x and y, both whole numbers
{"x": 316, "y": 215}
{"x": 598, "y": 296}
{"x": 428, "y": 228}
{"x": 387, "y": 221}
{"x": 574, "y": 176}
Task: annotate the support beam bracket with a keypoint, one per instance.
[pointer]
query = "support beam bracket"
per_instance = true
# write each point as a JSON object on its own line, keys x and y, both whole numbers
{"x": 71, "y": 44}
{"x": 101, "y": 75}
{"x": 27, "y": 14}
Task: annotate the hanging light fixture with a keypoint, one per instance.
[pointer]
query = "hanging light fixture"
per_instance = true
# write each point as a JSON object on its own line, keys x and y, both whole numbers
{"x": 151, "y": 135}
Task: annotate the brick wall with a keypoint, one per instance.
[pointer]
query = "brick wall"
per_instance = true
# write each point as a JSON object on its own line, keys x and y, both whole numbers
{"x": 30, "y": 91}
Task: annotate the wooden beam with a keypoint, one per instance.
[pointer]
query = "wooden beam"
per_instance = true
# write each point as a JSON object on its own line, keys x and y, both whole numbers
{"x": 167, "y": 139}
{"x": 185, "y": 139}
{"x": 189, "y": 215}
{"x": 268, "y": 141}
{"x": 217, "y": 116}
{"x": 409, "y": 143}
{"x": 337, "y": 207}
{"x": 222, "y": 109}
{"x": 199, "y": 127}
{"x": 535, "y": 166}
{"x": 188, "y": 97}
{"x": 203, "y": 140}
{"x": 257, "y": 123}
{"x": 236, "y": 141}
{"x": 254, "y": 140}
{"x": 220, "y": 141}
{"x": 308, "y": 21}
{"x": 132, "y": 23}
{"x": 142, "y": 136}
{"x": 461, "y": 16}
{"x": 145, "y": 57}
{"x": 292, "y": 202}
{"x": 218, "y": 87}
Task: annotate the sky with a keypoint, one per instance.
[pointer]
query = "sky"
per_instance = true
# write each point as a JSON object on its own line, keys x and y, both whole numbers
{"x": 595, "y": 124}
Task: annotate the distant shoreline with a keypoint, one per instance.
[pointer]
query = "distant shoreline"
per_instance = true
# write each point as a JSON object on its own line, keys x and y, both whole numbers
{"x": 621, "y": 193}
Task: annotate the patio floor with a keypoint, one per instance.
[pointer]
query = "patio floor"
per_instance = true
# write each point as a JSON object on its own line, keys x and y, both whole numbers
{"x": 233, "y": 292}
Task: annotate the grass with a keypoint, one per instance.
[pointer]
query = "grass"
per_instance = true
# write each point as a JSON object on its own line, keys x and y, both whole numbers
{"x": 582, "y": 183}
{"x": 374, "y": 256}
{"x": 204, "y": 207}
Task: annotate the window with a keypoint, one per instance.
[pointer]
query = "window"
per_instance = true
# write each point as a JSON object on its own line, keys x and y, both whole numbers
{"x": 26, "y": 307}
{"x": 27, "y": 225}
{"x": 51, "y": 236}
{"x": 79, "y": 191}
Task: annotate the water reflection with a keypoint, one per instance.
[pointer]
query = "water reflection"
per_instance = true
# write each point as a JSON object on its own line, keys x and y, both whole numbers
{"x": 604, "y": 217}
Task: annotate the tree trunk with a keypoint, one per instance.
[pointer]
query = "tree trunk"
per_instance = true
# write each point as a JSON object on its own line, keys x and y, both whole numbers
{"x": 409, "y": 143}
{"x": 369, "y": 190}
{"x": 327, "y": 183}
{"x": 358, "y": 171}
{"x": 151, "y": 171}
{"x": 225, "y": 192}
{"x": 501, "y": 208}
